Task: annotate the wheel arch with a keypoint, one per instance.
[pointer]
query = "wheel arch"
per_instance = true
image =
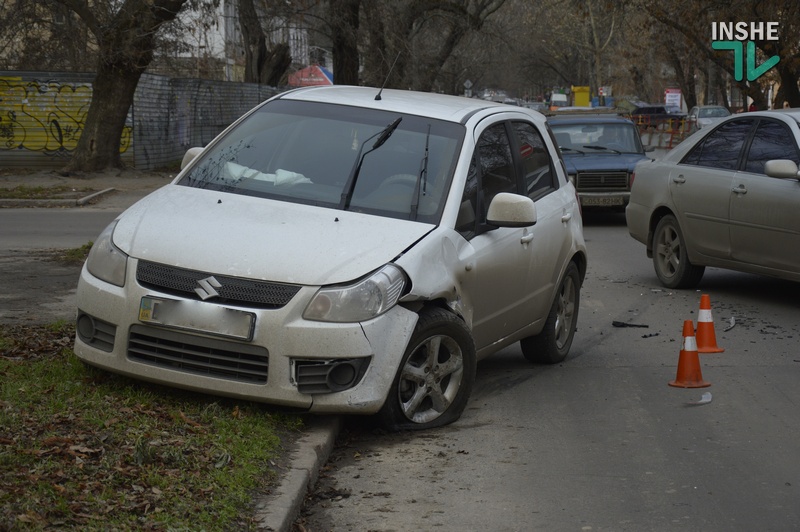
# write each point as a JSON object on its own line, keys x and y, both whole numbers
{"x": 656, "y": 217}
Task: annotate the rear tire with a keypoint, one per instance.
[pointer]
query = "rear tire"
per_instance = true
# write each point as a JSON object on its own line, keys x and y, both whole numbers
{"x": 670, "y": 256}
{"x": 552, "y": 345}
{"x": 435, "y": 377}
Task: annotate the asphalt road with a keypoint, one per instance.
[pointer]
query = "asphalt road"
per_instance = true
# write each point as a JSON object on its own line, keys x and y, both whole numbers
{"x": 28, "y": 229}
{"x": 36, "y": 288}
{"x": 601, "y": 442}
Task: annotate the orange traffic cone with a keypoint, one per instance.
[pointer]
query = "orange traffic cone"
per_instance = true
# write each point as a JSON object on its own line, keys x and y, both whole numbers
{"x": 706, "y": 338}
{"x": 689, "y": 373}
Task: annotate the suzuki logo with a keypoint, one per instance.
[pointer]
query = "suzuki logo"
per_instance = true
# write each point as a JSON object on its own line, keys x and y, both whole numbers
{"x": 207, "y": 288}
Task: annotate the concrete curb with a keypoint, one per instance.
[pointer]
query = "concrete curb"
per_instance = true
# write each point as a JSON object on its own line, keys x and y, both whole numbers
{"x": 278, "y": 510}
{"x": 28, "y": 203}
{"x": 90, "y": 197}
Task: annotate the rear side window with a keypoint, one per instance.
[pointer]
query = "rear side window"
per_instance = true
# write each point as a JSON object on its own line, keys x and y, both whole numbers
{"x": 772, "y": 140}
{"x": 722, "y": 148}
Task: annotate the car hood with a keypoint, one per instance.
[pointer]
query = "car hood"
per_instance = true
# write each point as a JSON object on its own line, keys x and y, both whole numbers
{"x": 259, "y": 238}
{"x": 601, "y": 162}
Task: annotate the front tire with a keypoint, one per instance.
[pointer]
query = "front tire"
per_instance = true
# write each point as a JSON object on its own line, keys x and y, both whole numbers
{"x": 436, "y": 374}
{"x": 552, "y": 345}
{"x": 670, "y": 256}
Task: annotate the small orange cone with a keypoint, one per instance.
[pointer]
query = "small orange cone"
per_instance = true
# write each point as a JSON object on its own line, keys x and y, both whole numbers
{"x": 706, "y": 337}
{"x": 689, "y": 373}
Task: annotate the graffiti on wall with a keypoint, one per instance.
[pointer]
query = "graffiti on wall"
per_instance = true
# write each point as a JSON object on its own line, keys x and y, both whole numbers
{"x": 46, "y": 117}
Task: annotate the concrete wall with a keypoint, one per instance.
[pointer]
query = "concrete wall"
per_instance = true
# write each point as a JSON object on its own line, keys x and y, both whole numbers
{"x": 42, "y": 116}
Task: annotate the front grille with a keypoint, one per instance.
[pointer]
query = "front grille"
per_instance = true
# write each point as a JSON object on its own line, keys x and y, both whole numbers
{"x": 602, "y": 181}
{"x": 234, "y": 290}
{"x": 198, "y": 355}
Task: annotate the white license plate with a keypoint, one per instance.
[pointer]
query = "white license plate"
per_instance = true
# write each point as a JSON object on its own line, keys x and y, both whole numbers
{"x": 198, "y": 316}
{"x": 590, "y": 201}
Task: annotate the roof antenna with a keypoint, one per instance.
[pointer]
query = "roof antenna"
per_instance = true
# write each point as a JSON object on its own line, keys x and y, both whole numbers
{"x": 378, "y": 96}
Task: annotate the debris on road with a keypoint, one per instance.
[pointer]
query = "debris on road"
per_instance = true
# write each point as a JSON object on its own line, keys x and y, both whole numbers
{"x": 704, "y": 400}
{"x": 623, "y": 324}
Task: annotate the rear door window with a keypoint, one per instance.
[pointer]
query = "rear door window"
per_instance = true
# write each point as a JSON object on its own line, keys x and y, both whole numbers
{"x": 772, "y": 140}
{"x": 723, "y": 147}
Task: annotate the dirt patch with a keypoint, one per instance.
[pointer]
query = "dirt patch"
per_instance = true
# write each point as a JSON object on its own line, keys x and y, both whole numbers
{"x": 50, "y": 184}
{"x": 37, "y": 287}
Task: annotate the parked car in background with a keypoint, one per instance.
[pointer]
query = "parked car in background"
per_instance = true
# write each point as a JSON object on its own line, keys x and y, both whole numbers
{"x": 541, "y": 107}
{"x": 600, "y": 153}
{"x": 558, "y": 100}
{"x": 702, "y": 116}
{"x": 344, "y": 250}
{"x": 726, "y": 197}
{"x": 658, "y": 117}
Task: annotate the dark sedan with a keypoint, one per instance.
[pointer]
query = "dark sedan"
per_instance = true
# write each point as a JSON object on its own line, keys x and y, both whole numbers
{"x": 600, "y": 152}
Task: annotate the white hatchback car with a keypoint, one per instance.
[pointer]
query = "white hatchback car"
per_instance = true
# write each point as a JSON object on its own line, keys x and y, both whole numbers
{"x": 344, "y": 250}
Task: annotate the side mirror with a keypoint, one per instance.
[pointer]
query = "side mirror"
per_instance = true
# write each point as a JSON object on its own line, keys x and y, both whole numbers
{"x": 782, "y": 168}
{"x": 511, "y": 210}
{"x": 189, "y": 156}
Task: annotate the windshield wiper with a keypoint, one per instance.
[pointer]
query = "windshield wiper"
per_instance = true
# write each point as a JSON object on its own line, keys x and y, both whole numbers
{"x": 562, "y": 148}
{"x": 350, "y": 186}
{"x": 602, "y": 148}
{"x": 422, "y": 178}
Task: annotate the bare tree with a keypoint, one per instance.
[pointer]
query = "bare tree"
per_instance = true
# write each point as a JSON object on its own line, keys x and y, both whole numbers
{"x": 43, "y": 36}
{"x": 415, "y": 39}
{"x": 693, "y": 21}
{"x": 263, "y": 64}
{"x": 599, "y": 21}
{"x": 125, "y": 39}
{"x": 344, "y": 21}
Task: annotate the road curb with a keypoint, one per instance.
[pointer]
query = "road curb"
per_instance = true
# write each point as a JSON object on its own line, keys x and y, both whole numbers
{"x": 278, "y": 510}
{"x": 52, "y": 202}
{"x": 90, "y": 197}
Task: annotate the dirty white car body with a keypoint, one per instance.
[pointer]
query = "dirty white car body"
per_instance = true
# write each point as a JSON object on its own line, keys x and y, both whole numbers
{"x": 322, "y": 253}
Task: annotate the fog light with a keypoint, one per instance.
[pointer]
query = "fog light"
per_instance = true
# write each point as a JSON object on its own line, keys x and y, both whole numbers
{"x": 86, "y": 328}
{"x": 341, "y": 376}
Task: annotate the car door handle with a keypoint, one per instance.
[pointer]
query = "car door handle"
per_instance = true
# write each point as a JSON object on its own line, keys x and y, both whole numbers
{"x": 526, "y": 239}
{"x": 566, "y": 217}
{"x": 679, "y": 179}
{"x": 741, "y": 189}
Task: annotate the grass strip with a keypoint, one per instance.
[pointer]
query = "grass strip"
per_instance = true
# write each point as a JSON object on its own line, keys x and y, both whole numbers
{"x": 84, "y": 449}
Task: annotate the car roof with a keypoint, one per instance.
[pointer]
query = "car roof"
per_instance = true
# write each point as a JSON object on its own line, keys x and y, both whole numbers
{"x": 680, "y": 150}
{"x": 589, "y": 119}
{"x": 430, "y": 104}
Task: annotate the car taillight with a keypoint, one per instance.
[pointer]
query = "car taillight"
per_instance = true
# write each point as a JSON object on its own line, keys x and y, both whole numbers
{"x": 630, "y": 181}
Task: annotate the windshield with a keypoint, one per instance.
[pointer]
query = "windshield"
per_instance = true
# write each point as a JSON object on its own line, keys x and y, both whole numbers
{"x": 307, "y": 152}
{"x": 713, "y": 112}
{"x": 597, "y": 138}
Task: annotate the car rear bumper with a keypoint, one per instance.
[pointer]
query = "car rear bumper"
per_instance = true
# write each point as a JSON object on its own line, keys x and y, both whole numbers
{"x": 604, "y": 199}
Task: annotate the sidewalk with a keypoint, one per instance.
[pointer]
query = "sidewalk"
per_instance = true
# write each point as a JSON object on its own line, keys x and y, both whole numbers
{"x": 112, "y": 189}
{"x": 118, "y": 190}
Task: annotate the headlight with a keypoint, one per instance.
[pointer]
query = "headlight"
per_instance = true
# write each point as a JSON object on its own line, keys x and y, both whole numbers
{"x": 361, "y": 301}
{"x": 573, "y": 179}
{"x": 105, "y": 260}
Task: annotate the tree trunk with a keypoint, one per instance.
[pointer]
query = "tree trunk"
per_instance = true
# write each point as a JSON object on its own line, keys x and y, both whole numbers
{"x": 99, "y": 144}
{"x": 126, "y": 40}
{"x": 344, "y": 19}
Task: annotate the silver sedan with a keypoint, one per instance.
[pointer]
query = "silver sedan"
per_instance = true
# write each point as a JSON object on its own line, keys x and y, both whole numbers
{"x": 726, "y": 197}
